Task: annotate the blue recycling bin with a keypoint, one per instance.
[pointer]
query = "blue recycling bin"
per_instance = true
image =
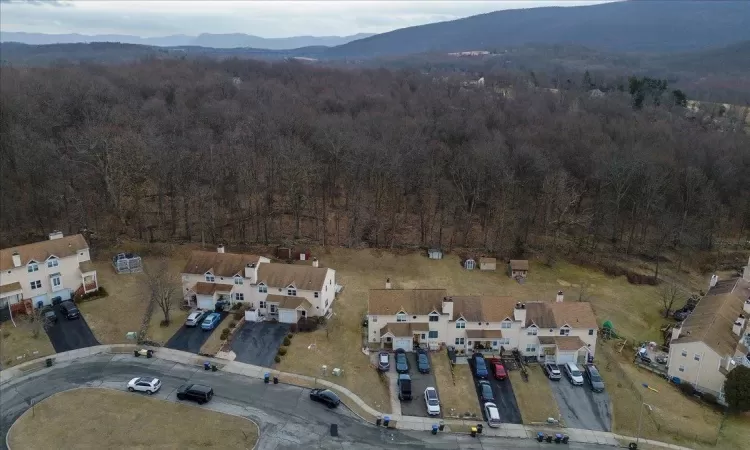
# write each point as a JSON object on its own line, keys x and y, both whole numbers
{"x": 267, "y": 377}
{"x": 207, "y": 365}
{"x": 540, "y": 436}
{"x": 386, "y": 421}
{"x": 434, "y": 429}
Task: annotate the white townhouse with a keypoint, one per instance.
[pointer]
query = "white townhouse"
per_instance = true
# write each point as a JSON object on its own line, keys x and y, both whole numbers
{"x": 36, "y": 274}
{"x": 408, "y": 318}
{"x": 286, "y": 292}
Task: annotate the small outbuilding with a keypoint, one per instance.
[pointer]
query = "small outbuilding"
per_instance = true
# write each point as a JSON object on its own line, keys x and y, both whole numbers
{"x": 518, "y": 268}
{"x": 470, "y": 264}
{"x": 435, "y": 253}
{"x": 487, "y": 264}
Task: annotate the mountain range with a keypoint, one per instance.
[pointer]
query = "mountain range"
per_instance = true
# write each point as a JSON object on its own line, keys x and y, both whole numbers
{"x": 232, "y": 40}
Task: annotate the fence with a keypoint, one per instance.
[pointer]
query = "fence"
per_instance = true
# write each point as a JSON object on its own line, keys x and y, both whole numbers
{"x": 127, "y": 263}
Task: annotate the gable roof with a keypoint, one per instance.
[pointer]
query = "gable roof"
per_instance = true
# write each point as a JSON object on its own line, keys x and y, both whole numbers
{"x": 556, "y": 315}
{"x": 210, "y": 288}
{"x": 403, "y": 329}
{"x": 289, "y": 302}
{"x": 485, "y": 260}
{"x": 484, "y": 308}
{"x": 220, "y": 264}
{"x": 302, "y": 277}
{"x": 519, "y": 264}
{"x": 564, "y": 343}
{"x": 40, "y": 251}
{"x": 411, "y": 301}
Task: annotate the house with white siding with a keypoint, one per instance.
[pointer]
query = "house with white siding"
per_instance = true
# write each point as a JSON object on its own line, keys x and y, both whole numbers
{"x": 285, "y": 292}
{"x": 410, "y": 318}
{"x": 34, "y": 275}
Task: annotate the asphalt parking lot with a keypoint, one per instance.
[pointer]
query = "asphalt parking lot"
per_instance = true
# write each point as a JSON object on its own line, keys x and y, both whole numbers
{"x": 419, "y": 382}
{"x": 191, "y": 339}
{"x": 67, "y": 335}
{"x": 580, "y": 407}
{"x": 258, "y": 342}
{"x": 505, "y": 399}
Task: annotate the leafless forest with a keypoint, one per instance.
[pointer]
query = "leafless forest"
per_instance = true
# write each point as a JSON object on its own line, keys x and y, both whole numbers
{"x": 181, "y": 150}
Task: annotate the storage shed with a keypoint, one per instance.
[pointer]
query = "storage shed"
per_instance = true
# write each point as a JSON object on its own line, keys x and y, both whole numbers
{"x": 435, "y": 253}
{"x": 518, "y": 268}
{"x": 487, "y": 264}
{"x": 470, "y": 264}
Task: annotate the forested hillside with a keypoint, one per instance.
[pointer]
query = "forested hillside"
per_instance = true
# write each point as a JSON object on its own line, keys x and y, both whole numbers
{"x": 175, "y": 150}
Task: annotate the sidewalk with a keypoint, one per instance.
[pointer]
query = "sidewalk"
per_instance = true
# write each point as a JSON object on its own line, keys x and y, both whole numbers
{"x": 351, "y": 400}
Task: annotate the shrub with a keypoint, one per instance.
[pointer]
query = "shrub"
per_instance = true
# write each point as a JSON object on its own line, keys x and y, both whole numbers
{"x": 232, "y": 324}
{"x": 292, "y": 328}
{"x": 290, "y": 335}
{"x": 239, "y": 315}
{"x": 236, "y": 306}
{"x": 282, "y": 351}
{"x": 687, "y": 389}
{"x": 224, "y": 337}
{"x": 710, "y": 399}
{"x": 639, "y": 278}
{"x": 164, "y": 323}
{"x": 287, "y": 341}
{"x": 226, "y": 330}
{"x": 277, "y": 359}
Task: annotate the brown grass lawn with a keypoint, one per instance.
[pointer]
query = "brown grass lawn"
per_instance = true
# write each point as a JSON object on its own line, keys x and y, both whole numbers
{"x": 100, "y": 418}
{"x": 535, "y": 398}
{"x": 458, "y": 397}
{"x": 19, "y": 341}
{"x": 735, "y": 433}
{"x": 160, "y": 334}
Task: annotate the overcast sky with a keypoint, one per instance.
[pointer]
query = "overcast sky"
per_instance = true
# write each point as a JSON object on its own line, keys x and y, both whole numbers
{"x": 261, "y": 18}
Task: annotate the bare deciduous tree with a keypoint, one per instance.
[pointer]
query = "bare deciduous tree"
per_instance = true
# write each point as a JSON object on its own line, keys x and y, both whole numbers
{"x": 163, "y": 286}
{"x": 668, "y": 294}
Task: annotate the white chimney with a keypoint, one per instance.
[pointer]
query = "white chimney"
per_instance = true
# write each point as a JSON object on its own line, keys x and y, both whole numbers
{"x": 220, "y": 249}
{"x": 448, "y": 307}
{"x": 519, "y": 313}
{"x": 315, "y": 262}
{"x": 16, "y": 259}
{"x": 387, "y": 283}
{"x": 251, "y": 272}
{"x": 738, "y": 324}
{"x": 746, "y": 308}
{"x": 56, "y": 234}
{"x": 676, "y": 332}
{"x": 559, "y": 298}
{"x": 714, "y": 280}
{"x": 746, "y": 273}
{"x": 730, "y": 364}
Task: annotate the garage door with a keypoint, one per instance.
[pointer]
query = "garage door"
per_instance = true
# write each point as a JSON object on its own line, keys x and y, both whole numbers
{"x": 288, "y": 315}
{"x": 406, "y": 344}
{"x": 205, "y": 302}
{"x": 40, "y": 299}
{"x": 566, "y": 357}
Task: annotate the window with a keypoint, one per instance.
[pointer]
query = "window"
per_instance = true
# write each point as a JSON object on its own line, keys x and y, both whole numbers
{"x": 684, "y": 352}
{"x": 423, "y": 335}
{"x": 210, "y": 278}
{"x": 262, "y": 304}
{"x": 32, "y": 267}
{"x": 494, "y": 343}
{"x": 681, "y": 368}
{"x": 400, "y": 317}
{"x": 433, "y": 335}
{"x": 56, "y": 282}
{"x": 564, "y": 331}
{"x": 262, "y": 289}
{"x": 316, "y": 294}
{"x": 291, "y": 292}
{"x": 504, "y": 341}
{"x": 506, "y": 325}
{"x": 532, "y": 331}
{"x": 530, "y": 348}
{"x": 273, "y": 308}
{"x": 304, "y": 313}
{"x": 434, "y": 317}
{"x": 53, "y": 263}
{"x": 239, "y": 296}
{"x": 374, "y": 319}
{"x": 238, "y": 281}
{"x": 697, "y": 357}
{"x": 459, "y": 341}
{"x": 36, "y": 284}
{"x": 460, "y": 324}
{"x": 591, "y": 332}
{"x": 326, "y": 303}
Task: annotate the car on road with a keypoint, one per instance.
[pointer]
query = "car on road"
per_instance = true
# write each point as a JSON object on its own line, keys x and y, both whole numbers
{"x": 195, "y": 318}
{"x": 680, "y": 315}
{"x": 211, "y": 321}
{"x": 492, "y": 414}
{"x": 485, "y": 391}
{"x": 574, "y": 374}
{"x": 69, "y": 310}
{"x": 595, "y": 380}
{"x": 325, "y": 397}
{"x": 195, "y": 392}
{"x": 423, "y": 361}
{"x": 552, "y": 371}
{"x": 431, "y": 401}
{"x": 402, "y": 364}
{"x": 148, "y": 385}
{"x": 404, "y": 386}
{"x": 499, "y": 370}
{"x": 384, "y": 362}
{"x": 480, "y": 366}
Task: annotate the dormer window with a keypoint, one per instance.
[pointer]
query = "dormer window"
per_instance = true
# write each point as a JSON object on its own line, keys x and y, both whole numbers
{"x": 401, "y": 317}
{"x": 532, "y": 331}
{"x": 32, "y": 267}
{"x": 291, "y": 292}
{"x": 210, "y": 277}
{"x": 52, "y": 262}
{"x": 506, "y": 324}
{"x": 262, "y": 289}
{"x": 238, "y": 280}
{"x": 564, "y": 331}
{"x": 434, "y": 317}
{"x": 460, "y": 324}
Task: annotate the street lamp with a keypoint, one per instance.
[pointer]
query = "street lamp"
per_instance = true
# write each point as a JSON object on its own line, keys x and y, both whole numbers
{"x": 640, "y": 422}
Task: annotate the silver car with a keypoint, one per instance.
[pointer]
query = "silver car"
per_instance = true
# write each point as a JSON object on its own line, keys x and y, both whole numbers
{"x": 195, "y": 318}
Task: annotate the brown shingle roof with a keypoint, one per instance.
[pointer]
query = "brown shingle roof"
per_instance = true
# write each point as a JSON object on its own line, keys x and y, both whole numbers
{"x": 519, "y": 264}
{"x": 555, "y": 315}
{"x": 86, "y": 266}
{"x": 209, "y": 288}
{"x": 487, "y": 334}
{"x": 289, "y": 302}
{"x": 10, "y": 287}
{"x": 564, "y": 343}
{"x": 411, "y": 301}
{"x": 713, "y": 317}
{"x": 219, "y": 264}
{"x": 302, "y": 277}
{"x": 483, "y": 308}
{"x": 404, "y": 329}
{"x": 40, "y": 251}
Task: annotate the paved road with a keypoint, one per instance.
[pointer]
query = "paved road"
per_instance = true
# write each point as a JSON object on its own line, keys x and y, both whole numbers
{"x": 257, "y": 343}
{"x": 191, "y": 339}
{"x": 287, "y": 418}
{"x": 67, "y": 335}
{"x": 580, "y": 407}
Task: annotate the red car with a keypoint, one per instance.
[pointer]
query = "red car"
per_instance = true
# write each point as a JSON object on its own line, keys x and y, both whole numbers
{"x": 499, "y": 370}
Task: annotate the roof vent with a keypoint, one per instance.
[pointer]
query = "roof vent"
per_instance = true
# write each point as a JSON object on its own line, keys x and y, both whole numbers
{"x": 523, "y": 305}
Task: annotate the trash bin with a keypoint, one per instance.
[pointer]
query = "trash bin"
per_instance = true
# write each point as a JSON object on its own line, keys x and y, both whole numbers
{"x": 135, "y": 352}
{"x": 540, "y": 436}
{"x": 549, "y": 438}
{"x": 473, "y": 431}
{"x": 266, "y": 377}
{"x": 434, "y": 429}
{"x": 149, "y": 354}
{"x": 633, "y": 446}
{"x": 386, "y": 421}
{"x": 378, "y": 422}
{"x": 441, "y": 427}
{"x": 207, "y": 365}
{"x": 565, "y": 439}
{"x": 49, "y": 362}
{"x": 479, "y": 428}
{"x": 275, "y": 380}
{"x": 214, "y": 368}
{"x": 558, "y": 438}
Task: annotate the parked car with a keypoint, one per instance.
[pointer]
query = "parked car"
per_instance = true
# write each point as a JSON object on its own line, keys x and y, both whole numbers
{"x": 431, "y": 401}
{"x": 574, "y": 374}
{"x": 402, "y": 364}
{"x": 148, "y": 385}
{"x": 552, "y": 371}
{"x": 325, "y": 397}
{"x": 384, "y": 362}
{"x": 69, "y": 310}
{"x": 485, "y": 391}
{"x": 56, "y": 300}
{"x": 49, "y": 316}
{"x": 195, "y": 392}
{"x": 221, "y": 305}
{"x": 680, "y": 315}
{"x": 492, "y": 414}
{"x": 211, "y": 321}
{"x": 423, "y": 361}
{"x": 595, "y": 380}
{"x": 499, "y": 370}
{"x": 404, "y": 386}
{"x": 195, "y": 318}
{"x": 480, "y": 366}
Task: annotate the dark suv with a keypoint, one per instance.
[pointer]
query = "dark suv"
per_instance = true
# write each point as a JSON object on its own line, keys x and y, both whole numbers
{"x": 195, "y": 392}
{"x": 69, "y": 310}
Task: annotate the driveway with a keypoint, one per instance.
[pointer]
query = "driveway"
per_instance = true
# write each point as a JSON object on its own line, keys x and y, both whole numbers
{"x": 258, "y": 342}
{"x": 580, "y": 407}
{"x": 191, "y": 339}
{"x": 67, "y": 335}
{"x": 505, "y": 399}
{"x": 419, "y": 382}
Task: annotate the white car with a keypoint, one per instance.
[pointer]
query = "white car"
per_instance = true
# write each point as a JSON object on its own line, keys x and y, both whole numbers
{"x": 144, "y": 384}
{"x": 431, "y": 401}
{"x": 195, "y": 318}
{"x": 493, "y": 415}
{"x": 574, "y": 374}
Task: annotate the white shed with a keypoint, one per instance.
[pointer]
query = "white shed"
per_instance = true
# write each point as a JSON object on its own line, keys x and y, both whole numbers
{"x": 470, "y": 264}
{"x": 435, "y": 253}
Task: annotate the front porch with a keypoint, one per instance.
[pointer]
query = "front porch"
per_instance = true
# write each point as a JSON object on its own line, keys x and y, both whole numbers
{"x": 563, "y": 349}
{"x": 88, "y": 277}
{"x": 406, "y": 336}
{"x": 483, "y": 341}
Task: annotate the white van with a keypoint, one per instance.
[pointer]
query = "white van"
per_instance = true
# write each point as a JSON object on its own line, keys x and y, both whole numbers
{"x": 574, "y": 374}
{"x": 493, "y": 415}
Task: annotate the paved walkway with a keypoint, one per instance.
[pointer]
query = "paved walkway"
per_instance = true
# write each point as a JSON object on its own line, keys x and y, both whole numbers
{"x": 350, "y": 399}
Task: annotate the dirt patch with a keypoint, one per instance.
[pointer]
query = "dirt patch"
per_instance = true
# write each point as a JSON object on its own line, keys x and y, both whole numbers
{"x": 19, "y": 341}
{"x": 535, "y": 398}
{"x": 458, "y": 396}
{"x": 100, "y": 418}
